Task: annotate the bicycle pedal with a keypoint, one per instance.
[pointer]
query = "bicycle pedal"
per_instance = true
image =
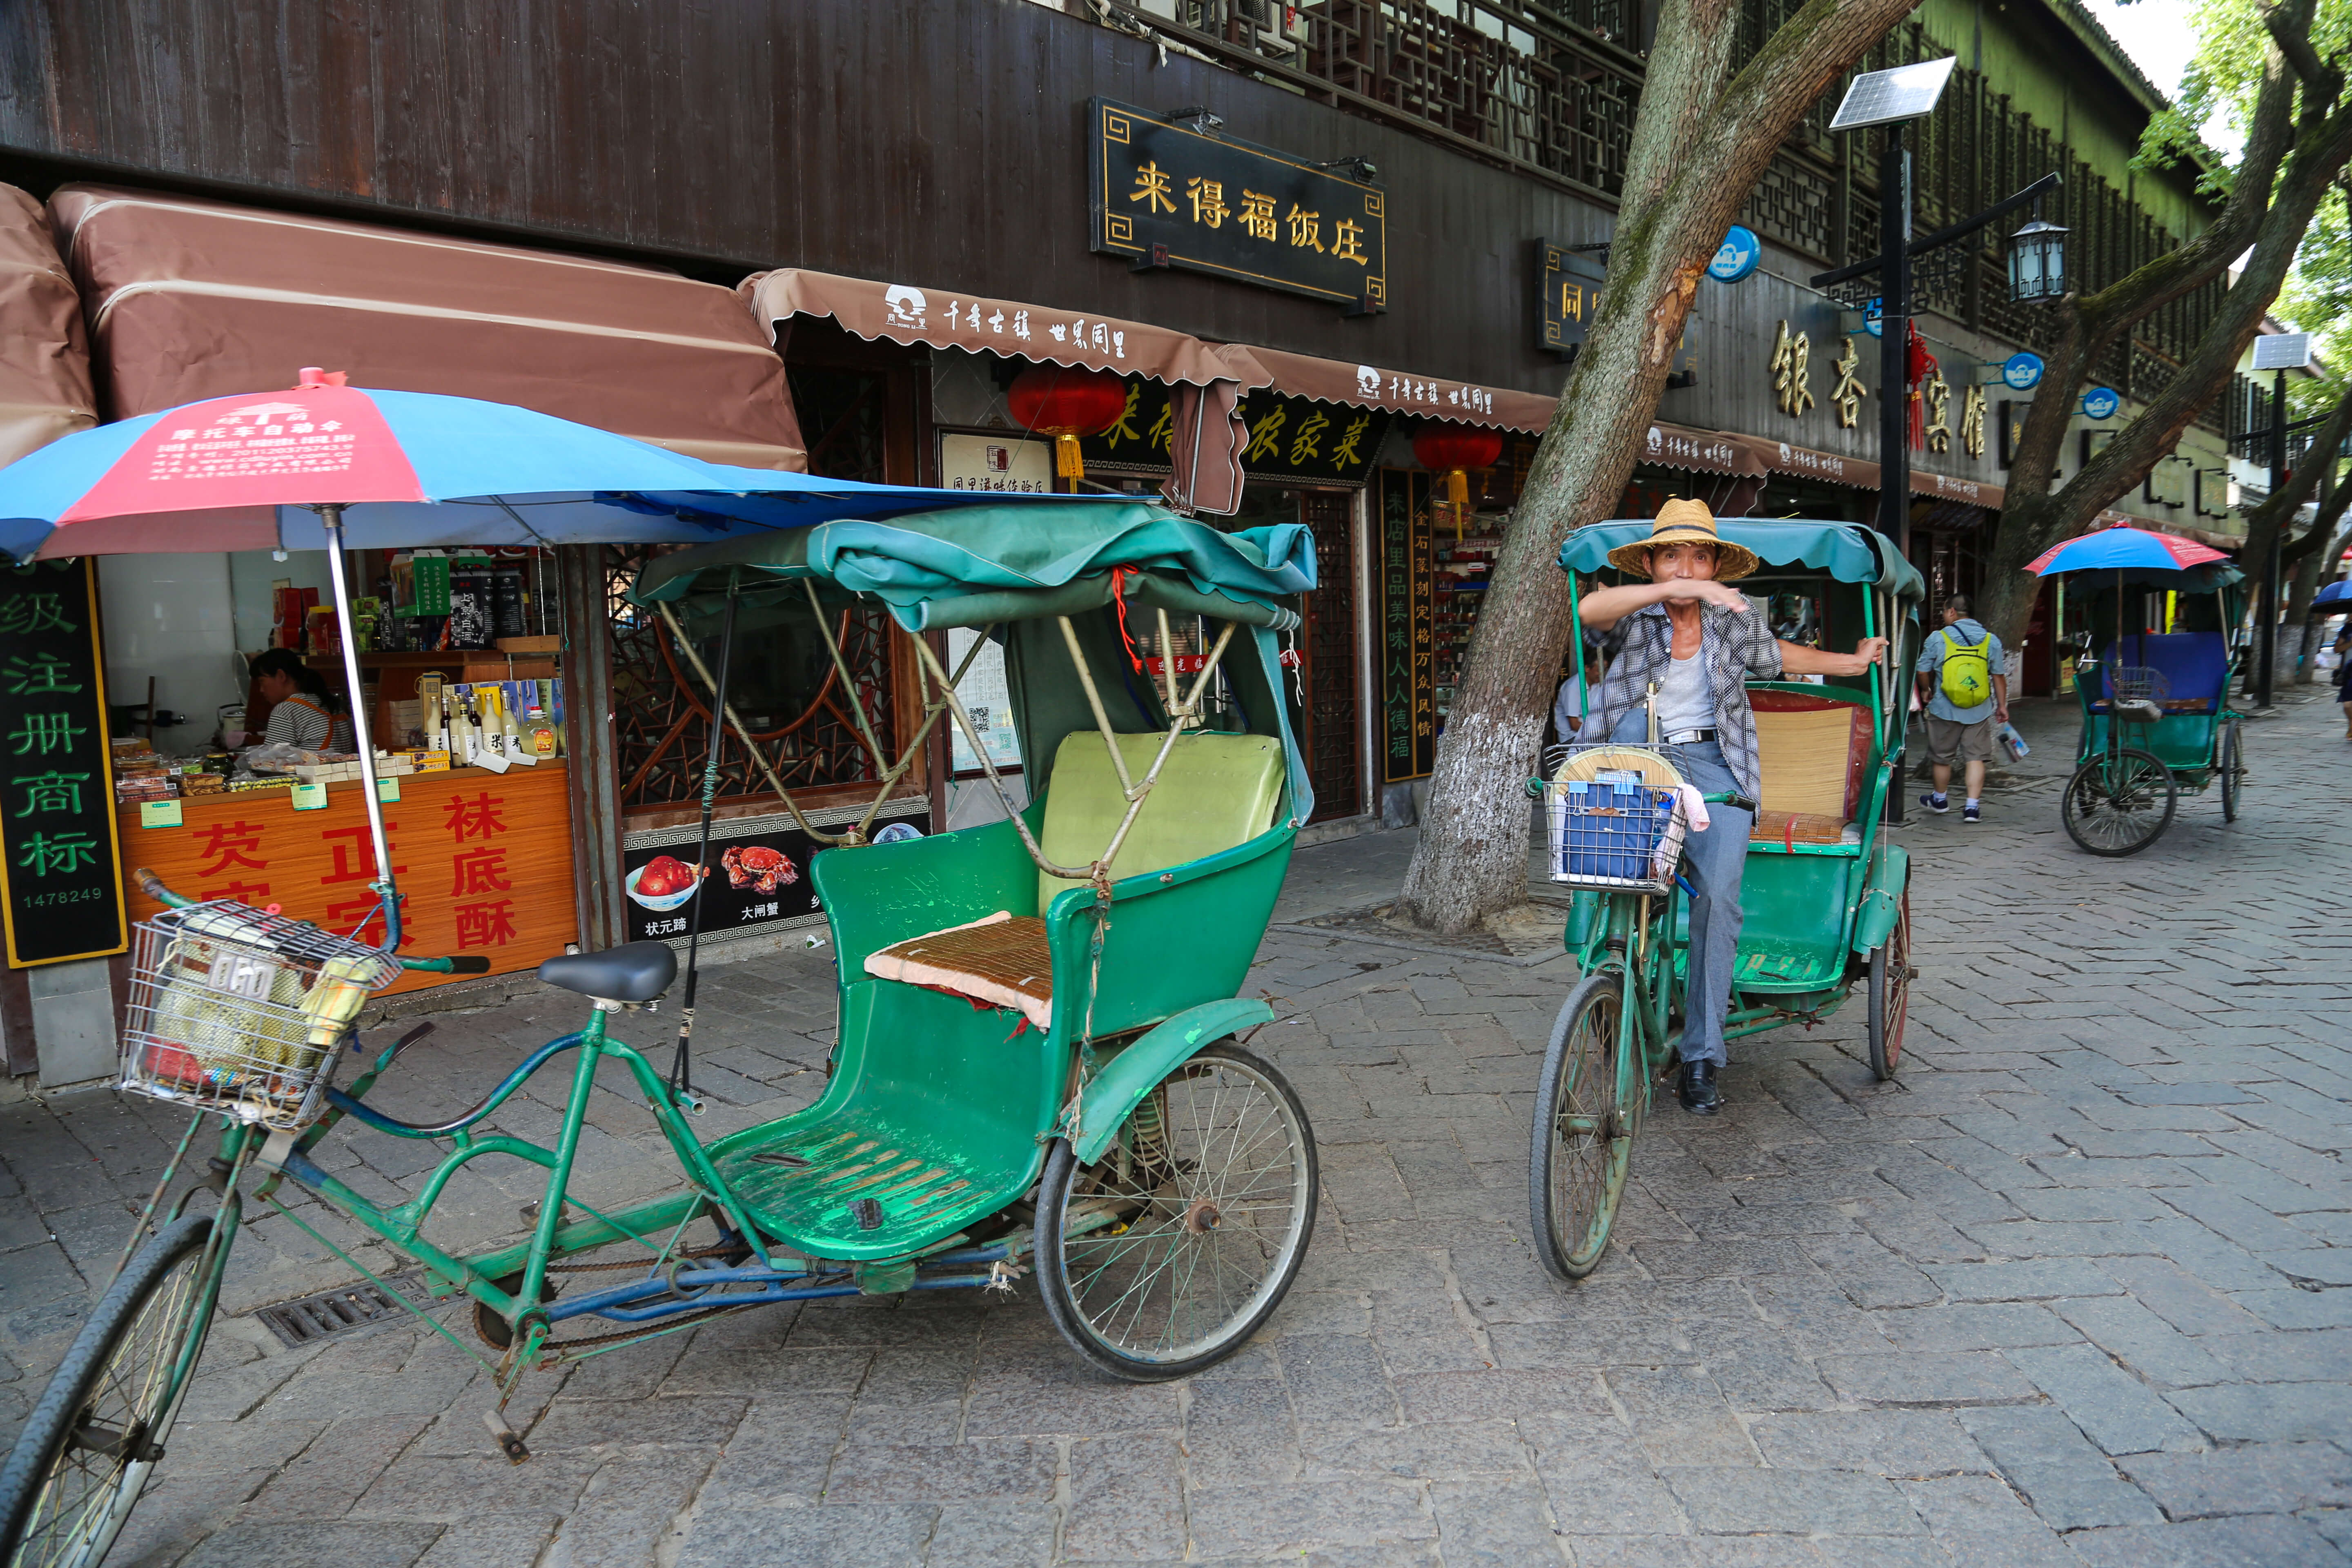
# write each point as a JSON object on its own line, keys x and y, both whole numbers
{"x": 509, "y": 1441}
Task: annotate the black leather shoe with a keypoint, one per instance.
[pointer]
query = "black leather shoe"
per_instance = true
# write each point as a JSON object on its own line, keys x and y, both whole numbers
{"x": 1698, "y": 1092}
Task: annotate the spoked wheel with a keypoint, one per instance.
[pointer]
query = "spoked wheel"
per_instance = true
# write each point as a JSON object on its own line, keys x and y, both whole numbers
{"x": 2233, "y": 768}
{"x": 83, "y": 1458}
{"x": 2117, "y": 804}
{"x": 1583, "y": 1145}
{"x": 1890, "y": 993}
{"x": 1165, "y": 1254}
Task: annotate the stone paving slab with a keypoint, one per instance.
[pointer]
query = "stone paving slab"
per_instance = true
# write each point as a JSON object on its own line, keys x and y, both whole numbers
{"x": 2073, "y": 1289}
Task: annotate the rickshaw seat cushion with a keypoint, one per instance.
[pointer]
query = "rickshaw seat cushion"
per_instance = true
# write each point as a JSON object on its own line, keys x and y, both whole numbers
{"x": 633, "y": 972}
{"x": 1813, "y": 752}
{"x": 1214, "y": 793}
{"x": 1002, "y": 961}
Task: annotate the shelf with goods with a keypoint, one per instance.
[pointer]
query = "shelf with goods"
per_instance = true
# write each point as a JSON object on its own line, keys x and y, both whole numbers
{"x": 1463, "y": 569}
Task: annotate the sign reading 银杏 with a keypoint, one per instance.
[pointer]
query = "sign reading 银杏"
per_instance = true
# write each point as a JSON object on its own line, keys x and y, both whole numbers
{"x": 61, "y": 864}
{"x": 1179, "y": 195}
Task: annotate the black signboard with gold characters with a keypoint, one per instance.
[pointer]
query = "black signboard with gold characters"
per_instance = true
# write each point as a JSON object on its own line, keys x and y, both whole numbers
{"x": 1179, "y": 195}
{"x": 1572, "y": 283}
{"x": 61, "y": 864}
{"x": 1297, "y": 440}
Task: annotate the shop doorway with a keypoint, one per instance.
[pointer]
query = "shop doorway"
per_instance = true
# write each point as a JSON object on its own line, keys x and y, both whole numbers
{"x": 1332, "y": 704}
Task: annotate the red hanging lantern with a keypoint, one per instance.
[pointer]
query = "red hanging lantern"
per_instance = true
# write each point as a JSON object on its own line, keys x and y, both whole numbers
{"x": 1918, "y": 367}
{"x": 1066, "y": 404}
{"x": 1453, "y": 450}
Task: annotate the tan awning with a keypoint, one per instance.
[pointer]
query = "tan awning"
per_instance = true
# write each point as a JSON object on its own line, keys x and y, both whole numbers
{"x": 194, "y": 299}
{"x": 44, "y": 389}
{"x": 1397, "y": 391}
{"x": 954, "y": 319}
{"x": 1803, "y": 462}
{"x": 1943, "y": 487}
{"x": 1701, "y": 451}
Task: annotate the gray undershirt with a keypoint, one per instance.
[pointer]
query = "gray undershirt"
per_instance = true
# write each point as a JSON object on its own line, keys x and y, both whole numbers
{"x": 1684, "y": 700}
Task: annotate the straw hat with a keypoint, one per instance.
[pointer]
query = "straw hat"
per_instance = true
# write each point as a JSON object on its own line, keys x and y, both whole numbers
{"x": 1683, "y": 522}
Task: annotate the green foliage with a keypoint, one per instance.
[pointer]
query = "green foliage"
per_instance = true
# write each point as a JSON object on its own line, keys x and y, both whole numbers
{"x": 2224, "y": 76}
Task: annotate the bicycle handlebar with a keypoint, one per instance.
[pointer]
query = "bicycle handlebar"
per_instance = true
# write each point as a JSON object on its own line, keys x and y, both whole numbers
{"x": 153, "y": 886}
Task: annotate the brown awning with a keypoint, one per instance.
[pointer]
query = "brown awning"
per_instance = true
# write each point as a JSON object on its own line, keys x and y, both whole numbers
{"x": 1804, "y": 463}
{"x": 1397, "y": 391}
{"x": 194, "y": 299}
{"x": 1701, "y": 451}
{"x": 44, "y": 389}
{"x": 955, "y": 319}
{"x": 1943, "y": 487}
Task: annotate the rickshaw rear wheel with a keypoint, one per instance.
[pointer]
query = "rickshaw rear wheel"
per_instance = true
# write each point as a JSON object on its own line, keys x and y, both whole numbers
{"x": 98, "y": 1431}
{"x": 1890, "y": 993}
{"x": 1584, "y": 1142}
{"x": 2119, "y": 803}
{"x": 1167, "y": 1254}
{"x": 2233, "y": 768}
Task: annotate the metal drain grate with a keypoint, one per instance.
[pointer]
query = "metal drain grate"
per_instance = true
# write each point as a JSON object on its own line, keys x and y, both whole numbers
{"x": 340, "y": 1311}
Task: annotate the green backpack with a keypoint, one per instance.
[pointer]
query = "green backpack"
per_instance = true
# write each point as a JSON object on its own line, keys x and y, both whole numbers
{"x": 1967, "y": 671}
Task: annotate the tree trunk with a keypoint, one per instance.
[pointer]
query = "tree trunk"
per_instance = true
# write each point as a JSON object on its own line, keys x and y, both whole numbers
{"x": 1698, "y": 149}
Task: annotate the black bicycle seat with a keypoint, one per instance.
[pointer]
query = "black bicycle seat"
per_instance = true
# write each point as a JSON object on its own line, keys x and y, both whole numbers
{"x": 635, "y": 972}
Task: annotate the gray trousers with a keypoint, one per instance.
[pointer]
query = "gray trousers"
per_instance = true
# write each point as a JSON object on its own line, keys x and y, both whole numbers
{"x": 1715, "y": 860}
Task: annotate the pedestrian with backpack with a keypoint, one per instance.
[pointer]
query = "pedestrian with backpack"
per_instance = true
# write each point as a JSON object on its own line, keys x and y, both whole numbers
{"x": 1964, "y": 680}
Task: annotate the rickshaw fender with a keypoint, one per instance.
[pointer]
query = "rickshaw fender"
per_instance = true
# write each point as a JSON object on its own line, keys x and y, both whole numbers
{"x": 1882, "y": 901}
{"x": 1131, "y": 1075}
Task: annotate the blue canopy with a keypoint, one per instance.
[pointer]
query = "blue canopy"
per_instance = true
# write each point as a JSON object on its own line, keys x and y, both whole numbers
{"x": 1848, "y": 551}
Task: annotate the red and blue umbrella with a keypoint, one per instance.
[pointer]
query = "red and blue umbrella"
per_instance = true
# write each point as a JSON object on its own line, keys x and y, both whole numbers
{"x": 405, "y": 470}
{"x": 2123, "y": 549}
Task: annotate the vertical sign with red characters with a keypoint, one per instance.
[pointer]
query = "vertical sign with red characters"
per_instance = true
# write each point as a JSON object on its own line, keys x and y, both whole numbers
{"x": 483, "y": 862}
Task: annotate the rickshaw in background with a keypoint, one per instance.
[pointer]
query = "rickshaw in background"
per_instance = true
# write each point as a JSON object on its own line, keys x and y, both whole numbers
{"x": 1825, "y": 891}
{"x": 1037, "y": 1062}
{"x": 2153, "y": 671}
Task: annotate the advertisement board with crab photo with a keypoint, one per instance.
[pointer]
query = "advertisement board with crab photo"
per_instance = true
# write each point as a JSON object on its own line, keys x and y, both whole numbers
{"x": 758, "y": 879}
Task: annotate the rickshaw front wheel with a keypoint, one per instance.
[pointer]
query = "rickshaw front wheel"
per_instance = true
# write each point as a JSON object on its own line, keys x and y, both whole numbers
{"x": 1165, "y": 1254}
{"x": 1587, "y": 1106}
{"x": 2119, "y": 803}
{"x": 2233, "y": 768}
{"x": 1890, "y": 993}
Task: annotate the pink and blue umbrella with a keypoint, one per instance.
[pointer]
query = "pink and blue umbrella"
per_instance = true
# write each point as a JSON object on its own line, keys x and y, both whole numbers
{"x": 405, "y": 470}
{"x": 2123, "y": 549}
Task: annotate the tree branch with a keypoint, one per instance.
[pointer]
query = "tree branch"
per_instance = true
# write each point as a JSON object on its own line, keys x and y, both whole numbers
{"x": 2295, "y": 44}
{"x": 2302, "y": 480}
{"x": 2324, "y": 525}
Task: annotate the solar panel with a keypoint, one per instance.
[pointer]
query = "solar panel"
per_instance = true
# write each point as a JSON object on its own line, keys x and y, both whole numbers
{"x": 1881, "y": 98}
{"x": 2283, "y": 350}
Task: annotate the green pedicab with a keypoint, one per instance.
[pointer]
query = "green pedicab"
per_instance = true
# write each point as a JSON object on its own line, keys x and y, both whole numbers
{"x": 1825, "y": 892}
{"x": 1039, "y": 1058}
{"x": 2157, "y": 719}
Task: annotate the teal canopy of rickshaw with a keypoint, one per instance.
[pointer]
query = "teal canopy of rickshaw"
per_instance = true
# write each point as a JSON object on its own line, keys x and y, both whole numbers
{"x": 984, "y": 566}
{"x": 1848, "y": 551}
{"x": 1014, "y": 568}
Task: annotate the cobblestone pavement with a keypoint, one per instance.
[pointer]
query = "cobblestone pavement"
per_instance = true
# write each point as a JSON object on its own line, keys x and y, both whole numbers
{"x": 2077, "y": 1288}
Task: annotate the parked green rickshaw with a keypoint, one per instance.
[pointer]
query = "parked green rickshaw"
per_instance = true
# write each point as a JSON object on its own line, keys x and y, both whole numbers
{"x": 1825, "y": 891}
{"x": 1040, "y": 1061}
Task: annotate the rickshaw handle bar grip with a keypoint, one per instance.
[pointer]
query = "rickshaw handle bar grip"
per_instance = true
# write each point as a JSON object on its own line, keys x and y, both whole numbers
{"x": 153, "y": 886}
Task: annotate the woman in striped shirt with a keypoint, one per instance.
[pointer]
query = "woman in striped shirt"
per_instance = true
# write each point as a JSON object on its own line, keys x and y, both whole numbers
{"x": 302, "y": 712}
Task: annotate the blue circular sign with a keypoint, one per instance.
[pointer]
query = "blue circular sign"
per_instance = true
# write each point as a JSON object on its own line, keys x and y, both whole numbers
{"x": 2101, "y": 403}
{"x": 1873, "y": 318}
{"x": 2022, "y": 372}
{"x": 1740, "y": 254}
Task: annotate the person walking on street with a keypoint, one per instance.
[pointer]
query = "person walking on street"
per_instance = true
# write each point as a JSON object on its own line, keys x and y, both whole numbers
{"x": 1964, "y": 679}
{"x": 1688, "y": 643}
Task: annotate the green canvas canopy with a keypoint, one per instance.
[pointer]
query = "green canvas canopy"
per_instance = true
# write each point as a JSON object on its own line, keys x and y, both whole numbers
{"x": 1849, "y": 552}
{"x": 985, "y": 565}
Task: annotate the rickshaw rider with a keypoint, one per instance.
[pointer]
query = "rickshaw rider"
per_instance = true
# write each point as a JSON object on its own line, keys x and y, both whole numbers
{"x": 1696, "y": 641}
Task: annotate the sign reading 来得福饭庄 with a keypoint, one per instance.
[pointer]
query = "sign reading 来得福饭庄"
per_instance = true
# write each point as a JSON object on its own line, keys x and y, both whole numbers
{"x": 61, "y": 860}
{"x": 1179, "y": 195}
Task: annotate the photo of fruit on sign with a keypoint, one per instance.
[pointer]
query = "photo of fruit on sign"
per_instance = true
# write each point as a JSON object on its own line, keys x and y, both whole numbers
{"x": 664, "y": 882}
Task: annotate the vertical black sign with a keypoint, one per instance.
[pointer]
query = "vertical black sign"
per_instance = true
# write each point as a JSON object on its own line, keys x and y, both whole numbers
{"x": 1570, "y": 285}
{"x": 1408, "y": 637}
{"x": 1175, "y": 195}
{"x": 61, "y": 864}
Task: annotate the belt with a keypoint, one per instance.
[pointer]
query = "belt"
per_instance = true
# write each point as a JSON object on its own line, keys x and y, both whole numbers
{"x": 1688, "y": 738}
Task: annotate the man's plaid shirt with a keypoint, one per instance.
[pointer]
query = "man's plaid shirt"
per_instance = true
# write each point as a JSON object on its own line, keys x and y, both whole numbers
{"x": 1735, "y": 644}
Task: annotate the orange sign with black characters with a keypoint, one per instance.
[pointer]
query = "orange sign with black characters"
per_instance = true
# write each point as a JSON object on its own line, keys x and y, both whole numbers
{"x": 484, "y": 862}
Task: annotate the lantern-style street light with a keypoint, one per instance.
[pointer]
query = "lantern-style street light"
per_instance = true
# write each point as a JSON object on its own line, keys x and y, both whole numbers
{"x": 2037, "y": 262}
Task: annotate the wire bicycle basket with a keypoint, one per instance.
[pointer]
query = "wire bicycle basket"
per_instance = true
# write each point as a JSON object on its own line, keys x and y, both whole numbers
{"x": 1616, "y": 820}
{"x": 241, "y": 1012}
{"x": 2137, "y": 692}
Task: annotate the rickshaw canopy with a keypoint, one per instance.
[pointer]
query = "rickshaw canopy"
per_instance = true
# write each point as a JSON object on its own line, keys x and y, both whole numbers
{"x": 1848, "y": 551}
{"x": 985, "y": 565}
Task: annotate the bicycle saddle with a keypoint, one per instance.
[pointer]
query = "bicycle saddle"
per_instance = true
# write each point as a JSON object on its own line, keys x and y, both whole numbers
{"x": 635, "y": 971}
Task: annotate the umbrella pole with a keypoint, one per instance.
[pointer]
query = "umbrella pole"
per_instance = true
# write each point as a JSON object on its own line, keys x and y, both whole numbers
{"x": 331, "y": 518}
{"x": 680, "y": 1075}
